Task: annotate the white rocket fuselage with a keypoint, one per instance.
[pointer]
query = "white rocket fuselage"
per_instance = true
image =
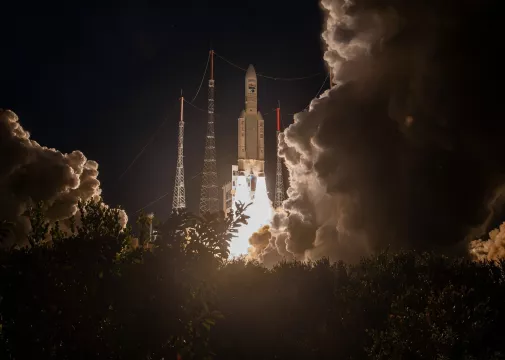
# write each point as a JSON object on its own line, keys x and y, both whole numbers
{"x": 251, "y": 136}
{"x": 248, "y": 176}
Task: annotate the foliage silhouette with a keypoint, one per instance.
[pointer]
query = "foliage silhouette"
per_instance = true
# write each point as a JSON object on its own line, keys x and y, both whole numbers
{"x": 5, "y": 229}
{"x": 93, "y": 294}
{"x": 39, "y": 224}
{"x": 99, "y": 291}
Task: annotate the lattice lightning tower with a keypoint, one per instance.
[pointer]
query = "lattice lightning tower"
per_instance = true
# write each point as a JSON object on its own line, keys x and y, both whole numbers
{"x": 209, "y": 191}
{"x": 279, "y": 181}
{"x": 179, "y": 198}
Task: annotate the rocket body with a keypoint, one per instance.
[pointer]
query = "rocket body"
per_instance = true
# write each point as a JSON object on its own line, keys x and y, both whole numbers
{"x": 248, "y": 185}
{"x": 251, "y": 136}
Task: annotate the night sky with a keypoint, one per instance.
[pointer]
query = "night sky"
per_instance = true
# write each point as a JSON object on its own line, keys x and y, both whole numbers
{"x": 101, "y": 79}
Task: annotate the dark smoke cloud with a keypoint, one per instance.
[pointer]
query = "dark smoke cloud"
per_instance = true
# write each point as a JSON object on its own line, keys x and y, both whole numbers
{"x": 406, "y": 150}
{"x": 30, "y": 173}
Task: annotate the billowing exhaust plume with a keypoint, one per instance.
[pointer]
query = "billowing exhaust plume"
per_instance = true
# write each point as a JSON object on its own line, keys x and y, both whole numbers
{"x": 406, "y": 150}
{"x": 30, "y": 173}
{"x": 492, "y": 249}
{"x": 259, "y": 240}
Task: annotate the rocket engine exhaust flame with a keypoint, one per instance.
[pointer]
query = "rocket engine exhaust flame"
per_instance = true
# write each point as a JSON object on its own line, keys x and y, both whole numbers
{"x": 259, "y": 212}
{"x": 406, "y": 150}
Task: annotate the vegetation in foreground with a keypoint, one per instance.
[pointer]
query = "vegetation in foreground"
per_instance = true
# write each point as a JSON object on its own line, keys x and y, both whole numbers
{"x": 101, "y": 293}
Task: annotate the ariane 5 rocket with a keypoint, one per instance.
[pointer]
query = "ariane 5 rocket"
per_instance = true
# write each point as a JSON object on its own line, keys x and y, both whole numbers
{"x": 251, "y": 131}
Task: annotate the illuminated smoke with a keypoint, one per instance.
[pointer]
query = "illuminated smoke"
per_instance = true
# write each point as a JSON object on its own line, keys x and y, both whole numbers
{"x": 259, "y": 241}
{"x": 406, "y": 151}
{"x": 492, "y": 249}
{"x": 30, "y": 173}
{"x": 259, "y": 212}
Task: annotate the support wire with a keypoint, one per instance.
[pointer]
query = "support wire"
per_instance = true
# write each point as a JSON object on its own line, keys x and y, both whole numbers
{"x": 266, "y": 76}
{"x": 203, "y": 77}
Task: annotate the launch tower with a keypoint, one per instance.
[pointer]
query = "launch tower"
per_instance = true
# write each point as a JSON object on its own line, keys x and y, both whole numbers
{"x": 209, "y": 193}
{"x": 179, "y": 197}
{"x": 279, "y": 181}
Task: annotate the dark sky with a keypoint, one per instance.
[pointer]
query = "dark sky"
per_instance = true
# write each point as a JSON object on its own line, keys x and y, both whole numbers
{"x": 101, "y": 79}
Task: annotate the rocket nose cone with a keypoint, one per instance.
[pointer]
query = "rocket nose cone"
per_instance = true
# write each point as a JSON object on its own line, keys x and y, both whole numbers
{"x": 250, "y": 72}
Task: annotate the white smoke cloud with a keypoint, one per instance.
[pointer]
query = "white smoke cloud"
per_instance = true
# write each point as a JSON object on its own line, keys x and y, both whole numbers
{"x": 402, "y": 152}
{"x": 30, "y": 173}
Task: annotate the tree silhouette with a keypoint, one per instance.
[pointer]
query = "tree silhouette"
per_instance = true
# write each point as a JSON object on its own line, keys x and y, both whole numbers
{"x": 5, "y": 229}
{"x": 91, "y": 294}
{"x": 94, "y": 292}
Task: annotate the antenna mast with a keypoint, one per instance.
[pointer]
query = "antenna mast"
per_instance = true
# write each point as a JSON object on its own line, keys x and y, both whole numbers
{"x": 179, "y": 198}
{"x": 209, "y": 201}
{"x": 279, "y": 181}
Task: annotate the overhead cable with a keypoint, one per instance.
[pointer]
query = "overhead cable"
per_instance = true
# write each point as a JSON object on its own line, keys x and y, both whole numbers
{"x": 322, "y": 85}
{"x": 143, "y": 149}
{"x": 196, "y": 107}
{"x": 266, "y": 76}
{"x": 319, "y": 91}
{"x": 153, "y": 202}
{"x": 164, "y": 195}
{"x": 203, "y": 77}
{"x": 151, "y": 139}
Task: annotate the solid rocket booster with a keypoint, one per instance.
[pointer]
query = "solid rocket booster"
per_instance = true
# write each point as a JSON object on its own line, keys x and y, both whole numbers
{"x": 251, "y": 136}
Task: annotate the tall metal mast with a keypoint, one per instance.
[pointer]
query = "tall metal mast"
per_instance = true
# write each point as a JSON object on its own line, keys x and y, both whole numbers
{"x": 279, "y": 181}
{"x": 209, "y": 201}
{"x": 179, "y": 198}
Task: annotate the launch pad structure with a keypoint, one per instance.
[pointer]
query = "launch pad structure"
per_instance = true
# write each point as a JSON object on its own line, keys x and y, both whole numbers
{"x": 279, "y": 177}
{"x": 209, "y": 201}
{"x": 179, "y": 197}
{"x": 248, "y": 173}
